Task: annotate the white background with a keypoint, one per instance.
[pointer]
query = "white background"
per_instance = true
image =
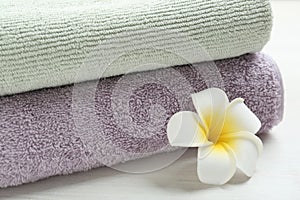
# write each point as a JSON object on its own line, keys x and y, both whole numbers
{"x": 278, "y": 170}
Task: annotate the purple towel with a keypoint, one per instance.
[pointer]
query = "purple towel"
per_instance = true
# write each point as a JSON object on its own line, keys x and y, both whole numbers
{"x": 75, "y": 128}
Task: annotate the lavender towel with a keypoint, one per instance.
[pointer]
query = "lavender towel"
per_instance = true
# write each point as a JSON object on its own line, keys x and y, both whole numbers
{"x": 75, "y": 128}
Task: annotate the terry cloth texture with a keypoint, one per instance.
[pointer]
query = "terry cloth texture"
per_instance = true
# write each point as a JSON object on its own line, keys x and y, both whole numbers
{"x": 75, "y": 128}
{"x": 47, "y": 43}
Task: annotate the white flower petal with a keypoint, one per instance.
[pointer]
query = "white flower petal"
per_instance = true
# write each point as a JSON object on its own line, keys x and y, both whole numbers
{"x": 246, "y": 147}
{"x": 240, "y": 118}
{"x": 218, "y": 166}
{"x": 211, "y": 105}
{"x": 184, "y": 130}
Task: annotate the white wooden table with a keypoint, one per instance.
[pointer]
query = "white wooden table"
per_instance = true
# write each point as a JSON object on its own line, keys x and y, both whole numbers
{"x": 278, "y": 170}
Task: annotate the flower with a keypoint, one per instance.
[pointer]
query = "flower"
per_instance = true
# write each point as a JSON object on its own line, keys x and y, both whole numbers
{"x": 223, "y": 132}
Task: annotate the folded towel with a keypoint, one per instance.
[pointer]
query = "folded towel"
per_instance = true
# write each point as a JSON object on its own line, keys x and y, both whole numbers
{"x": 75, "y": 128}
{"x": 42, "y": 44}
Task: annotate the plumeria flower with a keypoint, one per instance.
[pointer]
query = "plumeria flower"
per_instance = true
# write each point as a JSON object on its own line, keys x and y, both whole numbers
{"x": 223, "y": 132}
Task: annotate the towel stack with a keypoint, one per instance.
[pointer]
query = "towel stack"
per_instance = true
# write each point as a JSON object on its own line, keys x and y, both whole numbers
{"x": 87, "y": 83}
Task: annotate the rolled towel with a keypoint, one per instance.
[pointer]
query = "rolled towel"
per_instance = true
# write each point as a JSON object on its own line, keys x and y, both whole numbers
{"x": 68, "y": 129}
{"x": 42, "y": 44}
